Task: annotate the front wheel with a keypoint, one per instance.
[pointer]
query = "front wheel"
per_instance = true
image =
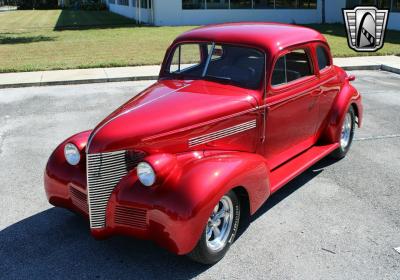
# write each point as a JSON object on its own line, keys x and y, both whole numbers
{"x": 346, "y": 136}
{"x": 219, "y": 232}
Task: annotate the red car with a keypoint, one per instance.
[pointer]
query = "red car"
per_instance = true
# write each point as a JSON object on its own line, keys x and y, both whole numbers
{"x": 238, "y": 111}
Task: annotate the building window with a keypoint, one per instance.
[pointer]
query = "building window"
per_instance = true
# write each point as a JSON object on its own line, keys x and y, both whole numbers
{"x": 193, "y": 4}
{"x": 307, "y": 4}
{"x": 217, "y": 4}
{"x": 264, "y": 4}
{"x": 285, "y": 4}
{"x": 123, "y": 2}
{"x": 241, "y": 4}
{"x": 381, "y": 4}
{"x": 111, "y": 1}
{"x": 396, "y": 5}
{"x": 145, "y": 4}
{"x": 248, "y": 4}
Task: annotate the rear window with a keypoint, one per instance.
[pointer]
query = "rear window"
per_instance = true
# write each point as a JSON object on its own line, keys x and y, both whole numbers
{"x": 291, "y": 67}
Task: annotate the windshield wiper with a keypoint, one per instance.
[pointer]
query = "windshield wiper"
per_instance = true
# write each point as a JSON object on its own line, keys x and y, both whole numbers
{"x": 227, "y": 80}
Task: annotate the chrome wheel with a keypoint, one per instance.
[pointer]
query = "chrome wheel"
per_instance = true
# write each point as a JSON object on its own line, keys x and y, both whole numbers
{"x": 219, "y": 224}
{"x": 346, "y": 132}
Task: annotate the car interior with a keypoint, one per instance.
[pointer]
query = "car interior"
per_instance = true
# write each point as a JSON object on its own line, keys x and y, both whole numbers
{"x": 237, "y": 65}
{"x": 291, "y": 67}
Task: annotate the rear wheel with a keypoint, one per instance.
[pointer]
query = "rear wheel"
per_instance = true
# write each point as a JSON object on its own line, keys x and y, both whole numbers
{"x": 346, "y": 136}
{"x": 219, "y": 232}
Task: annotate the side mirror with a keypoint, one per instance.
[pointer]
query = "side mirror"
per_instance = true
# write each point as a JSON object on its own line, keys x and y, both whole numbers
{"x": 351, "y": 78}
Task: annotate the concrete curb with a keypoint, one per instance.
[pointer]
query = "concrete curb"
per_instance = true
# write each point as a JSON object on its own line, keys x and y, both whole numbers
{"x": 155, "y": 77}
{"x": 362, "y": 67}
{"x": 79, "y": 82}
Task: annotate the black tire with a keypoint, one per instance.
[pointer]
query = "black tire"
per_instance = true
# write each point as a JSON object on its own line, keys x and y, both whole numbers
{"x": 342, "y": 151}
{"x": 202, "y": 253}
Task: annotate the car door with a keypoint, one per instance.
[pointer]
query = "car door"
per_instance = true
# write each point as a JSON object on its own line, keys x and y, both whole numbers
{"x": 291, "y": 106}
{"x": 328, "y": 80}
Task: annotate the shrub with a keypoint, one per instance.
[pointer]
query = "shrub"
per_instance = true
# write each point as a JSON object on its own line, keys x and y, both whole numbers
{"x": 38, "y": 4}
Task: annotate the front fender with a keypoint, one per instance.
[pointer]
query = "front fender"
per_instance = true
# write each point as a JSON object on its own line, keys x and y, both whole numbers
{"x": 179, "y": 208}
{"x": 58, "y": 173}
{"x": 348, "y": 96}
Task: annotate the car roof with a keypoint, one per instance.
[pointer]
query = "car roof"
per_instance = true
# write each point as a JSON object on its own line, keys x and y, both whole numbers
{"x": 268, "y": 36}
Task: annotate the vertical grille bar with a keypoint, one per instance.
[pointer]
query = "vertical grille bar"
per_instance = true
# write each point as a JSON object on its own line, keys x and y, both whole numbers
{"x": 104, "y": 171}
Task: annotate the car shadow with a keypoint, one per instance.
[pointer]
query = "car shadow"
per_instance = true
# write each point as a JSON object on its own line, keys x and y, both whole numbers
{"x": 286, "y": 191}
{"x": 56, "y": 244}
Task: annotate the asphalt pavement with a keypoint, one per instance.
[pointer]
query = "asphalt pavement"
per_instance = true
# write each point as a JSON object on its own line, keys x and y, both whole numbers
{"x": 338, "y": 220}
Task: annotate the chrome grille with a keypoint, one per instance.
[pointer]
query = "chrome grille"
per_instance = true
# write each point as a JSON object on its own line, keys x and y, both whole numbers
{"x": 104, "y": 171}
{"x": 133, "y": 217}
{"x": 79, "y": 199}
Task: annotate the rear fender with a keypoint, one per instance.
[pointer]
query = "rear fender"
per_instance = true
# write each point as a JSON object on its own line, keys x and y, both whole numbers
{"x": 347, "y": 97}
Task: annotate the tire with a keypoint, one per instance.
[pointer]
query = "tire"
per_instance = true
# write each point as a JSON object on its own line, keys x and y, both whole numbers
{"x": 208, "y": 249}
{"x": 346, "y": 135}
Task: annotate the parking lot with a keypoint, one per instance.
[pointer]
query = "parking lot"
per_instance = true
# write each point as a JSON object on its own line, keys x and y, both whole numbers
{"x": 338, "y": 220}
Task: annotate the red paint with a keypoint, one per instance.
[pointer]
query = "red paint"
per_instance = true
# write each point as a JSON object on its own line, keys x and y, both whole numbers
{"x": 297, "y": 124}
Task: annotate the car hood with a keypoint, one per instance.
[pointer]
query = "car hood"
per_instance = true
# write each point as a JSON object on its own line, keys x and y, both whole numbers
{"x": 165, "y": 108}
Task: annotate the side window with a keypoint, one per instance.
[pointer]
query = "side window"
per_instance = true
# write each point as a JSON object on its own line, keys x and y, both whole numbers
{"x": 323, "y": 58}
{"x": 279, "y": 74}
{"x": 186, "y": 56}
{"x": 291, "y": 67}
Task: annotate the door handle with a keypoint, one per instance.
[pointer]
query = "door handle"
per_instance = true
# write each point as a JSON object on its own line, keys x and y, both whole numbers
{"x": 316, "y": 92}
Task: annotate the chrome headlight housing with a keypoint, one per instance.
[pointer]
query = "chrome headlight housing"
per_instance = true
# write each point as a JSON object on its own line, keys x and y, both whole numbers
{"x": 146, "y": 174}
{"x": 72, "y": 154}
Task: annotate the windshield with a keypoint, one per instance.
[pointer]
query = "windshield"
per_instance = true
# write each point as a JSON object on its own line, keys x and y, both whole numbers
{"x": 240, "y": 66}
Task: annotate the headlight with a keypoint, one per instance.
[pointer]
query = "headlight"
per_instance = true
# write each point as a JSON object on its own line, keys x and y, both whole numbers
{"x": 146, "y": 174}
{"x": 72, "y": 154}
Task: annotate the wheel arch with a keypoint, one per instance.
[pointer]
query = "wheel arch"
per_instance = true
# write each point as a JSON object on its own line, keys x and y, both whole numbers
{"x": 244, "y": 199}
{"x": 348, "y": 96}
{"x": 206, "y": 180}
{"x": 357, "y": 113}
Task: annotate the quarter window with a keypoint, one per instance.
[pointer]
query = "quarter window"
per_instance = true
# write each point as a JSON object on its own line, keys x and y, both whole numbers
{"x": 323, "y": 58}
{"x": 291, "y": 67}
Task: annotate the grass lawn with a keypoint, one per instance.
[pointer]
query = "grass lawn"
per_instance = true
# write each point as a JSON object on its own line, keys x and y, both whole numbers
{"x": 54, "y": 39}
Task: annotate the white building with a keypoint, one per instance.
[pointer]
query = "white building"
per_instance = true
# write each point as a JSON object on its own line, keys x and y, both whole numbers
{"x": 200, "y": 12}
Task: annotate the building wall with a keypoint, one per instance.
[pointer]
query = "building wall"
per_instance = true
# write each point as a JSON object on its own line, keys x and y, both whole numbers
{"x": 394, "y": 21}
{"x": 334, "y": 14}
{"x": 171, "y": 13}
{"x": 333, "y": 10}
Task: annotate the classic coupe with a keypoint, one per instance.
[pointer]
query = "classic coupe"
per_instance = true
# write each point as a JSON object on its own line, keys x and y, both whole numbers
{"x": 238, "y": 111}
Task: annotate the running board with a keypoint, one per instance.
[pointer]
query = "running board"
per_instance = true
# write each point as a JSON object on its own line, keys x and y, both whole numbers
{"x": 288, "y": 171}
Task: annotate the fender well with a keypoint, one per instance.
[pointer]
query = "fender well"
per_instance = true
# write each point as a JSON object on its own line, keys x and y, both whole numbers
{"x": 348, "y": 96}
{"x": 191, "y": 196}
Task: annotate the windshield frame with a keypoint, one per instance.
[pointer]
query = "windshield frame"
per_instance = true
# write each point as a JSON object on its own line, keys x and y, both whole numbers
{"x": 166, "y": 75}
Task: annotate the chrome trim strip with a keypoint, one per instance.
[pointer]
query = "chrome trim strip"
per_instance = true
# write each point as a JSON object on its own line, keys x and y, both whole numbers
{"x": 222, "y": 133}
{"x": 210, "y": 122}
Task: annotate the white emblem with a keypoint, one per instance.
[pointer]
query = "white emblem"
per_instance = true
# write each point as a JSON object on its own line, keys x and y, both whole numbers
{"x": 366, "y": 28}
